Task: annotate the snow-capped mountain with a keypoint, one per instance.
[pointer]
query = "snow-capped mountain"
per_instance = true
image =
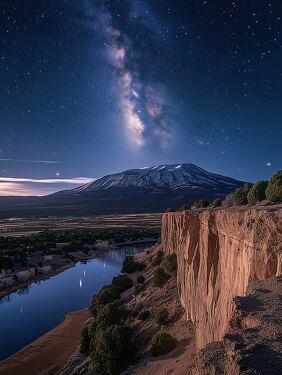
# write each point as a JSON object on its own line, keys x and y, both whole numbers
{"x": 173, "y": 177}
{"x": 143, "y": 190}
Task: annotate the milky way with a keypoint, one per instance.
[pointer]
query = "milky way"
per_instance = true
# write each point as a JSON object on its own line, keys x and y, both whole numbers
{"x": 143, "y": 103}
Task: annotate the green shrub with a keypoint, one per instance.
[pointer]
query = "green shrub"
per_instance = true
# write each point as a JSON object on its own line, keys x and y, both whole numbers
{"x": 144, "y": 315}
{"x": 163, "y": 343}
{"x": 169, "y": 264}
{"x": 113, "y": 350}
{"x": 160, "y": 277}
{"x": 162, "y": 317}
{"x": 257, "y": 192}
{"x": 239, "y": 196}
{"x": 85, "y": 340}
{"x": 106, "y": 295}
{"x": 216, "y": 203}
{"x": 158, "y": 258}
{"x": 140, "y": 279}
{"x": 122, "y": 282}
{"x": 130, "y": 265}
{"x": 110, "y": 314}
{"x": 184, "y": 207}
{"x": 202, "y": 203}
{"x": 274, "y": 189}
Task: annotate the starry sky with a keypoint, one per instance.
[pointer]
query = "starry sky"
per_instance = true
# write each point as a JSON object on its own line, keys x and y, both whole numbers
{"x": 92, "y": 87}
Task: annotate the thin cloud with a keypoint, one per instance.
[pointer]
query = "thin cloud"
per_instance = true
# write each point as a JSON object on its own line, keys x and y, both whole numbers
{"x": 75, "y": 180}
{"x": 33, "y": 161}
{"x": 13, "y": 186}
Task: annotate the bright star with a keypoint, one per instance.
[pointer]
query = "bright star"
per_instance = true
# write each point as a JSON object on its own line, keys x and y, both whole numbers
{"x": 268, "y": 164}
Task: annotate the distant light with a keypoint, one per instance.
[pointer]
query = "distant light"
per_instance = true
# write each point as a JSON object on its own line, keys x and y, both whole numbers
{"x": 80, "y": 283}
{"x": 57, "y": 174}
{"x": 268, "y": 164}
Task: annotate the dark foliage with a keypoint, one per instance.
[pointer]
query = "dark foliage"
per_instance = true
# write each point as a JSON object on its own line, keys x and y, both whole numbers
{"x": 163, "y": 343}
{"x": 274, "y": 189}
{"x": 257, "y": 192}
{"x": 169, "y": 264}
{"x": 160, "y": 277}
{"x": 162, "y": 317}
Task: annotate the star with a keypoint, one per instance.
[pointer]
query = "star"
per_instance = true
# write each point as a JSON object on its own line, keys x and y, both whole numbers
{"x": 268, "y": 164}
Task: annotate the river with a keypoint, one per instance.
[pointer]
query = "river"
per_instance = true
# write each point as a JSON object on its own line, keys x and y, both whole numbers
{"x": 30, "y": 312}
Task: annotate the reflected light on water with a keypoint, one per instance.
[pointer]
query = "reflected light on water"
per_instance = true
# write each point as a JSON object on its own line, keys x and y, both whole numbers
{"x": 84, "y": 273}
{"x": 80, "y": 283}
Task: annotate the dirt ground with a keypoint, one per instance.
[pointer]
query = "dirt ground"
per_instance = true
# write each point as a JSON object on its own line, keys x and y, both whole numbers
{"x": 20, "y": 226}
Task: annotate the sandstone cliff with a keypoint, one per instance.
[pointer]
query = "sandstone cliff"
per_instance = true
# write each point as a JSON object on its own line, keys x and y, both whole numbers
{"x": 219, "y": 253}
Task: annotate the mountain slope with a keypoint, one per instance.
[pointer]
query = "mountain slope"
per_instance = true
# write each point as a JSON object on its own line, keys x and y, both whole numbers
{"x": 173, "y": 177}
{"x": 133, "y": 191}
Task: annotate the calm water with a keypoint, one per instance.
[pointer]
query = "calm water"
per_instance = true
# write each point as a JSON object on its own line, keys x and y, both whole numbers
{"x": 27, "y": 314}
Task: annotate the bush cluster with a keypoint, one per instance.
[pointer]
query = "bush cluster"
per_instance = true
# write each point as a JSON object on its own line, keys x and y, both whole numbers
{"x": 257, "y": 192}
{"x": 107, "y": 294}
{"x": 202, "y": 203}
{"x": 216, "y": 203}
{"x": 239, "y": 196}
{"x": 169, "y": 264}
{"x": 113, "y": 350}
{"x": 160, "y": 277}
{"x": 122, "y": 282}
{"x": 108, "y": 339}
{"x": 274, "y": 188}
{"x": 158, "y": 258}
{"x": 130, "y": 265}
{"x": 162, "y": 317}
{"x": 163, "y": 343}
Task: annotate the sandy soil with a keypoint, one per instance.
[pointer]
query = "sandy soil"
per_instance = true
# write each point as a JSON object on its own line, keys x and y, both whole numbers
{"x": 48, "y": 354}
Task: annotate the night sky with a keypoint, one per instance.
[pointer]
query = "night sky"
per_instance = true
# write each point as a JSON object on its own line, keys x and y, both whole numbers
{"x": 90, "y": 88}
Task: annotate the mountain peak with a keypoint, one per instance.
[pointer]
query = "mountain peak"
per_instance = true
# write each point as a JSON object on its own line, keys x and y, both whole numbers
{"x": 165, "y": 176}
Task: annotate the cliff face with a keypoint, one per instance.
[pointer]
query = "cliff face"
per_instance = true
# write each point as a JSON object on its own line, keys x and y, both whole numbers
{"x": 219, "y": 252}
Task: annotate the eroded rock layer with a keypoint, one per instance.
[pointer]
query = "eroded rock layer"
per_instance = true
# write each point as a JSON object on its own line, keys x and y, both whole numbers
{"x": 219, "y": 252}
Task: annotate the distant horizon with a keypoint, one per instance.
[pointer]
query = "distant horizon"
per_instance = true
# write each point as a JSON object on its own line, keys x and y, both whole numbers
{"x": 42, "y": 187}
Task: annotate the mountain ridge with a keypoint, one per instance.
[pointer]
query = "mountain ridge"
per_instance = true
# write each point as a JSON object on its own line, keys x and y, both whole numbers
{"x": 144, "y": 190}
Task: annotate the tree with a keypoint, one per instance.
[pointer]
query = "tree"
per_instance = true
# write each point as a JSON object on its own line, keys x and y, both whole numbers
{"x": 158, "y": 258}
{"x": 160, "y": 277}
{"x": 202, "y": 203}
{"x": 106, "y": 295}
{"x": 274, "y": 189}
{"x": 239, "y": 196}
{"x": 169, "y": 264}
{"x": 111, "y": 314}
{"x": 113, "y": 350}
{"x": 216, "y": 203}
{"x": 162, "y": 317}
{"x": 122, "y": 282}
{"x": 130, "y": 265}
{"x": 163, "y": 343}
{"x": 257, "y": 192}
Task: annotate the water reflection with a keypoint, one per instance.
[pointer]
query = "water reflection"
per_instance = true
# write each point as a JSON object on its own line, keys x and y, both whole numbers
{"x": 39, "y": 307}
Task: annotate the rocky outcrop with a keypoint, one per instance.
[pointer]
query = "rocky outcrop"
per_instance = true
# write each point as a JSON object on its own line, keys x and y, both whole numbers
{"x": 219, "y": 253}
{"x": 253, "y": 343}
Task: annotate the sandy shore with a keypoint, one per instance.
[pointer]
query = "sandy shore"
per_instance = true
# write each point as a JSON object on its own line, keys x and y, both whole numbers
{"x": 48, "y": 354}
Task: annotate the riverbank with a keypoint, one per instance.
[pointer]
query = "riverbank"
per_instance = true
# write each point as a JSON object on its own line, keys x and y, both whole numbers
{"x": 49, "y": 353}
{"x": 53, "y": 272}
{"x": 84, "y": 258}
